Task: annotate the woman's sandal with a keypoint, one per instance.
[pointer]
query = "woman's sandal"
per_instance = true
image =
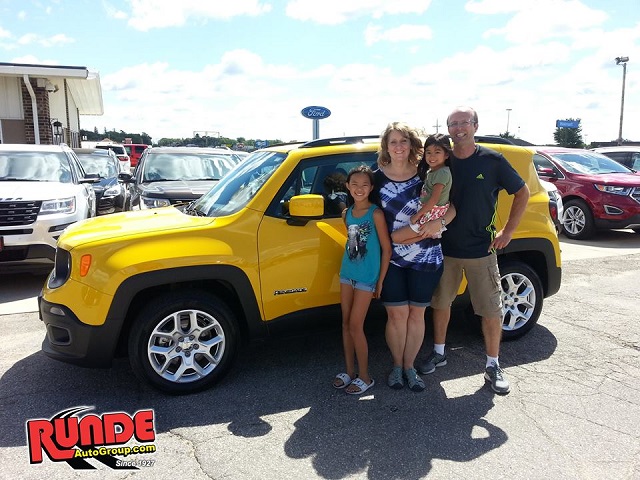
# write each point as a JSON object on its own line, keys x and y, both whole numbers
{"x": 342, "y": 380}
{"x": 415, "y": 383}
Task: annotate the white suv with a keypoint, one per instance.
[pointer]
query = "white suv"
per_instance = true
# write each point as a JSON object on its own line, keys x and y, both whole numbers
{"x": 43, "y": 189}
{"x": 120, "y": 152}
{"x": 627, "y": 155}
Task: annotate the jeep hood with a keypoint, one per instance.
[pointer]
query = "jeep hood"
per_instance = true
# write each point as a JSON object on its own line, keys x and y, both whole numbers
{"x": 23, "y": 190}
{"x": 142, "y": 223}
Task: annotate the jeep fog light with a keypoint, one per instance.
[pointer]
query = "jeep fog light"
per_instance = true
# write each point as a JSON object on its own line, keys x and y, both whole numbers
{"x": 57, "y": 311}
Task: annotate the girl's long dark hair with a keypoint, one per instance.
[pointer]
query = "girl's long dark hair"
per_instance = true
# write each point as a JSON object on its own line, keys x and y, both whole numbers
{"x": 439, "y": 140}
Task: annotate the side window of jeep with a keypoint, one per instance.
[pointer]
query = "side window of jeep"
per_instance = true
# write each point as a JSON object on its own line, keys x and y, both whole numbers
{"x": 324, "y": 176}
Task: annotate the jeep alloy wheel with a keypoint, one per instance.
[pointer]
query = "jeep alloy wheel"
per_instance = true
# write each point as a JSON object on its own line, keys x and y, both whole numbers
{"x": 183, "y": 343}
{"x": 521, "y": 298}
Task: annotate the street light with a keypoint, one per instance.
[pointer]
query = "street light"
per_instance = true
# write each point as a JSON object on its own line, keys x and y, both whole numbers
{"x": 623, "y": 61}
{"x": 508, "y": 115}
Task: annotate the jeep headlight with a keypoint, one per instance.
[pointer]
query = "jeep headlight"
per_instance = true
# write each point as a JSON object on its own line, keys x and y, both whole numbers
{"x": 624, "y": 191}
{"x": 59, "y": 205}
{"x": 146, "y": 202}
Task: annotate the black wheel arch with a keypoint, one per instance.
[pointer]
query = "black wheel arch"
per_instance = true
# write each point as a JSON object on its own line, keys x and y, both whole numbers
{"x": 540, "y": 255}
{"x": 224, "y": 281}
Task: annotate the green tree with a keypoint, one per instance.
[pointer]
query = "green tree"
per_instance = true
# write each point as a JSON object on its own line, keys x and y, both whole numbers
{"x": 569, "y": 137}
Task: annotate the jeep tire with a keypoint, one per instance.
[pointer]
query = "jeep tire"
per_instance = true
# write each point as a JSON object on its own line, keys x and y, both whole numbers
{"x": 522, "y": 298}
{"x": 183, "y": 342}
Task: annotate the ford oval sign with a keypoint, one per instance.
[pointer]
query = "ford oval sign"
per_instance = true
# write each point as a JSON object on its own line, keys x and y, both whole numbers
{"x": 315, "y": 113}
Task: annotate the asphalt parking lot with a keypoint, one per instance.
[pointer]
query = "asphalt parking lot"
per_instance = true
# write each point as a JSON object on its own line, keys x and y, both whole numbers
{"x": 573, "y": 413}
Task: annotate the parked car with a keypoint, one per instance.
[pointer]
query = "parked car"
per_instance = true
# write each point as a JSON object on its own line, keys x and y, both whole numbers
{"x": 629, "y": 156}
{"x": 43, "y": 190}
{"x": 111, "y": 195}
{"x": 556, "y": 206}
{"x": 178, "y": 290}
{"x": 176, "y": 175}
{"x": 597, "y": 192}
{"x": 134, "y": 150}
{"x": 120, "y": 152}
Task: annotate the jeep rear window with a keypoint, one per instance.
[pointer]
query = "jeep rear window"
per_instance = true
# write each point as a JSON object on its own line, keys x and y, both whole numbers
{"x": 238, "y": 187}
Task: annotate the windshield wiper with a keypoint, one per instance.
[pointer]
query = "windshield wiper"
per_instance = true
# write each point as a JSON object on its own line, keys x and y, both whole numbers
{"x": 15, "y": 179}
{"x": 192, "y": 210}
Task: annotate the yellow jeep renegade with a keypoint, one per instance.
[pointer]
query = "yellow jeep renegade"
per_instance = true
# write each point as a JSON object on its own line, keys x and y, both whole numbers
{"x": 179, "y": 288}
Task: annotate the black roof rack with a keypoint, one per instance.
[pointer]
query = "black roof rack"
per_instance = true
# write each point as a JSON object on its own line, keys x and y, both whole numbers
{"x": 326, "y": 142}
{"x": 493, "y": 139}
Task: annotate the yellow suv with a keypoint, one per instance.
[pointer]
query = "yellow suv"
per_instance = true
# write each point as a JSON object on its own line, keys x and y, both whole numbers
{"x": 177, "y": 289}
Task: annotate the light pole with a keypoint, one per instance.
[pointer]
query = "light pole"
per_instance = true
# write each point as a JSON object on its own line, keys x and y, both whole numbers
{"x": 508, "y": 115}
{"x": 623, "y": 61}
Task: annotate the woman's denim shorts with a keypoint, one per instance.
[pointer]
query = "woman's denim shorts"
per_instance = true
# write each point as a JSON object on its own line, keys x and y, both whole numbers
{"x": 406, "y": 286}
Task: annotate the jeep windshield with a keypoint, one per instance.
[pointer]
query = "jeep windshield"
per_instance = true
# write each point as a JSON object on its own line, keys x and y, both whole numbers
{"x": 238, "y": 187}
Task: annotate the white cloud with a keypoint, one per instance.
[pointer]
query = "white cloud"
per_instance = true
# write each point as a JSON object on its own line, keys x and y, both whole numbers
{"x": 334, "y": 12}
{"x": 403, "y": 33}
{"x": 149, "y": 14}
{"x": 539, "y": 20}
{"x": 52, "y": 41}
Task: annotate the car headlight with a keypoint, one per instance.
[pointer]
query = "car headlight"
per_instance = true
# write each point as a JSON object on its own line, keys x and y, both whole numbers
{"x": 113, "y": 191}
{"x": 154, "y": 202}
{"x": 59, "y": 205}
{"x": 625, "y": 191}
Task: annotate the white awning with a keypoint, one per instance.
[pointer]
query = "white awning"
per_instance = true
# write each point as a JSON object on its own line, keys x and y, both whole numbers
{"x": 84, "y": 85}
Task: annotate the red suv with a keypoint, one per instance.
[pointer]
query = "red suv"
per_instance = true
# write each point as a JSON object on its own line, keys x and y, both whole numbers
{"x": 135, "y": 151}
{"x": 597, "y": 192}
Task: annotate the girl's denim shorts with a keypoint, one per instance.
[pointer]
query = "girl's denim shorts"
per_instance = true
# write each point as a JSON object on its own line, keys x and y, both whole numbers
{"x": 367, "y": 287}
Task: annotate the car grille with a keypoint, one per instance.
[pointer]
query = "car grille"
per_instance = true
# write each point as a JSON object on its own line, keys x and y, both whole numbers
{"x": 635, "y": 194}
{"x": 13, "y": 213}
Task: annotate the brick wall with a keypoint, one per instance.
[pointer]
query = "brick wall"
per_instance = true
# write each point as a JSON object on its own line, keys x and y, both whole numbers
{"x": 44, "y": 117}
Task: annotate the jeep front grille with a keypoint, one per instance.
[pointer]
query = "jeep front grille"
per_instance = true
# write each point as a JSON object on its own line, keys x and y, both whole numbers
{"x": 15, "y": 212}
{"x": 635, "y": 194}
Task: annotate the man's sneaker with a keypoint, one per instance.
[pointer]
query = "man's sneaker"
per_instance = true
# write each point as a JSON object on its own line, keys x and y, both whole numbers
{"x": 433, "y": 360}
{"x": 495, "y": 375}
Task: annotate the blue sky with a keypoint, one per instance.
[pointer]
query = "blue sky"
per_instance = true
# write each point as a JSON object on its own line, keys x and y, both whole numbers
{"x": 248, "y": 67}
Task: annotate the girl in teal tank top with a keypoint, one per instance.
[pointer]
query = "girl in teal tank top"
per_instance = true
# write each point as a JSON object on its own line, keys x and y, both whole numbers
{"x": 364, "y": 266}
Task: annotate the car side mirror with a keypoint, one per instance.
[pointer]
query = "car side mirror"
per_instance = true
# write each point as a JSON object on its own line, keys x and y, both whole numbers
{"x": 125, "y": 177}
{"x": 546, "y": 172}
{"x": 91, "y": 178}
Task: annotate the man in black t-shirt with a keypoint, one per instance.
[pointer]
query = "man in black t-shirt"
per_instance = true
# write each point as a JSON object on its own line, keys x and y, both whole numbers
{"x": 470, "y": 242}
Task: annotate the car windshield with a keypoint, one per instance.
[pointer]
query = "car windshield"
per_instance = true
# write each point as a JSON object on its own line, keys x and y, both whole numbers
{"x": 102, "y": 165}
{"x": 187, "y": 166}
{"x": 237, "y": 188}
{"x": 589, "y": 163}
{"x": 35, "y": 167}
